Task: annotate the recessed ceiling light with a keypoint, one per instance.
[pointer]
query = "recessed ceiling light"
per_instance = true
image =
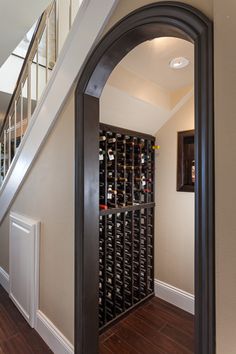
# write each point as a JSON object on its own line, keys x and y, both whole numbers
{"x": 179, "y": 63}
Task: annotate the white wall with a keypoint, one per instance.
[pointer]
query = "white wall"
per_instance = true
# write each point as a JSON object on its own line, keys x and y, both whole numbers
{"x": 63, "y": 13}
{"x": 9, "y": 73}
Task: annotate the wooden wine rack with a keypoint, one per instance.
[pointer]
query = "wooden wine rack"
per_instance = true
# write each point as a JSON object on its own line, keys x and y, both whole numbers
{"x": 126, "y": 237}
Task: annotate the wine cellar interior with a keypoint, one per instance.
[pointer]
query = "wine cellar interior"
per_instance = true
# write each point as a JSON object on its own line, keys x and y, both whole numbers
{"x": 146, "y": 190}
{"x": 126, "y": 238}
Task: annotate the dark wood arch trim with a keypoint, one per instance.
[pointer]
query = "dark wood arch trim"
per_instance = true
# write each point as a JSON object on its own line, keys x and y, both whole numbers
{"x": 154, "y": 20}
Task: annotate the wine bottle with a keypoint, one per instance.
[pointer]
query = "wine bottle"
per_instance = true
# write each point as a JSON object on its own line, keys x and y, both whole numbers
{"x": 109, "y": 295}
{"x": 113, "y": 205}
{"x": 111, "y": 154}
{"x": 193, "y": 171}
{"x": 120, "y": 154}
{"x": 121, "y": 191}
{"x": 102, "y": 138}
{"x": 111, "y": 140}
{"x": 130, "y": 143}
{"x": 156, "y": 147}
{"x": 129, "y": 167}
{"x": 118, "y": 276}
{"x": 118, "y": 289}
{"x": 109, "y": 280}
{"x": 111, "y": 193}
{"x": 111, "y": 178}
{"x": 101, "y": 154}
{"x": 119, "y": 223}
{"x": 122, "y": 204}
{"x": 122, "y": 179}
{"x": 103, "y": 206}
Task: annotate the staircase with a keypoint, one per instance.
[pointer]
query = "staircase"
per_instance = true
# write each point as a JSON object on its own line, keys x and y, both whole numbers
{"x": 44, "y": 83}
{"x": 39, "y": 61}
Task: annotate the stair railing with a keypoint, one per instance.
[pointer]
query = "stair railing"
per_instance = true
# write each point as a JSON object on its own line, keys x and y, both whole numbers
{"x": 35, "y": 72}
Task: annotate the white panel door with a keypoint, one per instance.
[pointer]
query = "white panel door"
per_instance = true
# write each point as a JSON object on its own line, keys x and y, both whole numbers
{"x": 23, "y": 272}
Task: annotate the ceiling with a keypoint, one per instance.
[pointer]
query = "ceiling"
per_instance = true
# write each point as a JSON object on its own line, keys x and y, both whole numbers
{"x": 129, "y": 112}
{"x": 143, "y": 92}
{"x": 151, "y": 59}
{"x": 125, "y": 111}
{"x": 17, "y": 17}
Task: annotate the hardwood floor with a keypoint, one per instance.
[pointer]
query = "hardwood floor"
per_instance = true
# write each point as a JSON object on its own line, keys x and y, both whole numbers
{"x": 16, "y": 336}
{"x": 154, "y": 328}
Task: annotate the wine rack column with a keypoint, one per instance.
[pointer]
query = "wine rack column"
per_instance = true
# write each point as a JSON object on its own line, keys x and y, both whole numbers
{"x": 126, "y": 221}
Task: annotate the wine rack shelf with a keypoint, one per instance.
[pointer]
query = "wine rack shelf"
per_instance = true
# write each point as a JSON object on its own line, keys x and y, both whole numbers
{"x": 126, "y": 227}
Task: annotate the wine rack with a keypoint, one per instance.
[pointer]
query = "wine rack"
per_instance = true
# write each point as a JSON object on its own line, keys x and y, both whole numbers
{"x": 126, "y": 226}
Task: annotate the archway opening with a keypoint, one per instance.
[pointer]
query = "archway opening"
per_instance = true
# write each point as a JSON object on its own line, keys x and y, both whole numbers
{"x": 156, "y": 20}
{"x": 146, "y": 226}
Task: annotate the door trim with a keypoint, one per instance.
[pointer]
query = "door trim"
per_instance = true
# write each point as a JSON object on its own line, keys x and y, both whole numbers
{"x": 154, "y": 20}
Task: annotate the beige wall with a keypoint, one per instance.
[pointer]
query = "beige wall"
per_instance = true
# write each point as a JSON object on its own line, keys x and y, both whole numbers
{"x": 57, "y": 245}
{"x": 174, "y": 239}
{"x": 223, "y": 15}
{"x": 225, "y": 138}
{"x": 126, "y": 6}
{"x": 4, "y": 244}
{"x": 48, "y": 195}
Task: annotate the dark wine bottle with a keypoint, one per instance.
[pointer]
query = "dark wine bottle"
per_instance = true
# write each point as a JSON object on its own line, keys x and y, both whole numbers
{"x": 102, "y": 138}
{"x": 111, "y": 140}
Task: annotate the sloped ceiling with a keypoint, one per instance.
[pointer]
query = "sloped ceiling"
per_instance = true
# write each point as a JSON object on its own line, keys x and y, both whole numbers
{"x": 151, "y": 59}
{"x": 17, "y": 17}
{"x": 143, "y": 92}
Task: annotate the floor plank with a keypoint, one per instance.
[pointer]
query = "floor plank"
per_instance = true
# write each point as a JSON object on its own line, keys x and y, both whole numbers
{"x": 16, "y": 336}
{"x": 118, "y": 346}
{"x": 162, "y": 341}
{"x": 16, "y": 344}
{"x": 102, "y": 349}
{"x": 172, "y": 318}
{"x": 179, "y": 337}
{"x": 154, "y": 328}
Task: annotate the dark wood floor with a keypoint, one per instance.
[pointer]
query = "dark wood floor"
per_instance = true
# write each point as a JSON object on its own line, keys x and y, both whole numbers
{"x": 154, "y": 328}
{"x": 16, "y": 336}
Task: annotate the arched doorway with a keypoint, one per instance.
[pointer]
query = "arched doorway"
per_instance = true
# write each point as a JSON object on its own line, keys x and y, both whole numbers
{"x": 155, "y": 20}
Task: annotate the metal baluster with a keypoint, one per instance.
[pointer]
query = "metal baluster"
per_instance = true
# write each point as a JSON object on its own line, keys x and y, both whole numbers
{"x": 15, "y": 126}
{"x": 1, "y": 164}
{"x": 29, "y": 90}
{"x": 4, "y": 152}
{"x": 47, "y": 47}
{"x": 37, "y": 72}
{"x": 21, "y": 111}
{"x": 70, "y": 14}
{"x": 9, "y": 143}
{"x": 57, "y": 26}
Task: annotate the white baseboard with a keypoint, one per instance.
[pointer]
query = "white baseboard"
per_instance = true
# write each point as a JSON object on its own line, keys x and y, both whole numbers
{"x": 4, "y": 279}
{"x": 56, "y": 341}
{"x": 175, "y": 296}
{"x": 51, "y": 335}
